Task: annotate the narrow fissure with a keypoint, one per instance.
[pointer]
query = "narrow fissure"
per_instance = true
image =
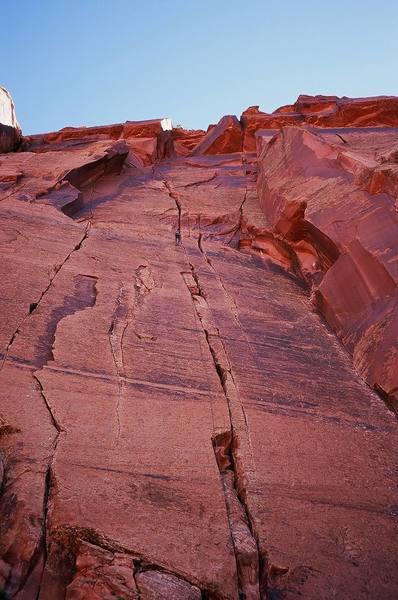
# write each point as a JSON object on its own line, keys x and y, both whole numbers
{"x": 342, "y": 139}
{"x": 48, "y": 481}
{"x": 238, "y": 228}
{"x": 125, "y": 316}
{"x": 177, "y": 202}
{"x": 44, "y": 539}
{"x": 34, "y": 305}
{"x": 54, "y": 421}
{"x": 115, "y": 341}
{"x": 240, "y": 222}
{"x": 83, "y": 296}
{"x": 201, "y": 182}
{"x": 225, "y": 447}
{"x": 231, "y": 302}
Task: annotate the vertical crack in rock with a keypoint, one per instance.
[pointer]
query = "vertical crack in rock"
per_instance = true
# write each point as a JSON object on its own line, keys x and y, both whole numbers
{"x": 47, "y": 496}
{"x": 144, "y": 283}
{"x": 229, "y": 299}
{"x": 116, "y": 333}
{"x": 125, "y": 313}
{"x": 84, "y": 296}
{"x": 238, "y": 229}
{"x": 34, "y": 305}
{"x": 228, "y": 451}
{"x": 174, "y": 197}
{"x": 241, "y": 211}
{"x": 244, "y": 542}
{"x": 43, "y": 542}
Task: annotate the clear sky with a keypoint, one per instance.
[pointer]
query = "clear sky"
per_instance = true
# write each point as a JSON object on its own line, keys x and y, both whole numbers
{"x": 91, "y": 62}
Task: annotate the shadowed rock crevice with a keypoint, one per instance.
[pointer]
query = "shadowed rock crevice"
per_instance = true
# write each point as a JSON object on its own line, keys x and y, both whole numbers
{"x": 53, "y": 419}
{"x": 174, "y": 197}
{"x": 244, "y": 542}
{"x": 117, "y": 329}
{"x": 227, "y": 452}
{"x": 69, "y": 193}
{"x": 44, "y": 542}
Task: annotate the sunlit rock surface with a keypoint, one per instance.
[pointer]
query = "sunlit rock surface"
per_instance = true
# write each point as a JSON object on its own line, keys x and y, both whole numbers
{"x": 10, "y": 132}
{"x": 181, "y": 421}
{"x": 323, "y": 111}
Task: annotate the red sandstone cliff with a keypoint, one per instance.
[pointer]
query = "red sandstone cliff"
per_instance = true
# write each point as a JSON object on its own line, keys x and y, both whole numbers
{"x": 179, "y": 422}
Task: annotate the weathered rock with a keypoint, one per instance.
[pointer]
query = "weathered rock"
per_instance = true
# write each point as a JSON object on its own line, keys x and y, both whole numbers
{"x": 343, "y": 232}
{"x": 177, "y": 421}
{"x": 145, "y": 138}
{"x": 184, "y": 141}
{"x": 223, "y": 138}
{"x": 10, "y": 131}
{"x": 322, "y": 111}
{"x": 156, "y": 584}
{"x": 102, "y": 575}
{"x": 331, "y": 111}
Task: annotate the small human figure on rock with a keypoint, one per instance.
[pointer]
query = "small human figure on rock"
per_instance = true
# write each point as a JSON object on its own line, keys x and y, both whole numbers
{"x": 178, "y": 237}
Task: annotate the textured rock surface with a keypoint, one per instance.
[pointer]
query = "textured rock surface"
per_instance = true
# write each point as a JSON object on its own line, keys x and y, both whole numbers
{"x": 223, "y": 138}
{"x": 322, "y": 111}
{"x": 178, "y": 422}
{"x": 323, "y": 197}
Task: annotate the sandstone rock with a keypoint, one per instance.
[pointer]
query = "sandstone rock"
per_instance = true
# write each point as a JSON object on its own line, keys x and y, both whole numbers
{"x": 155, "y": 584}
{"x": 315, "y": 198}
{"x": 322, "y": 111}
{"x": 102, "y": 575}
{"x": 184, "y": 141}
{"x": 7, "y": 177}
{"x": 145, "y": 138}
{"x": 177, "y": 421}
{"x": 10, "y": 131}
{"x": 332, "y": 111}
{"x": 224, "y": 138}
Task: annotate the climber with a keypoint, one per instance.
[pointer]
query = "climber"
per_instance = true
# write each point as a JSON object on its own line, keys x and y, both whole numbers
{"x": 178, "y": 237}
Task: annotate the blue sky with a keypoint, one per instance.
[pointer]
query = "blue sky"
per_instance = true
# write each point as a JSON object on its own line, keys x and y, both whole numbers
{"x": 88, "y": 62}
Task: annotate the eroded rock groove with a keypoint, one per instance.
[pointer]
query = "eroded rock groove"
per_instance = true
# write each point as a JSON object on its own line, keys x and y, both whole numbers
{"x": 225, "y": 446}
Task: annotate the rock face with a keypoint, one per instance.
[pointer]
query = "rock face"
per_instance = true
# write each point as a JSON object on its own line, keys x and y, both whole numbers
{"x": 10, "y": 132}
{"x": 178, "y": 422}
{"x": 347, "y": 251}
{"x": 223, "y": 138}
{"x": 322, "y": 111}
